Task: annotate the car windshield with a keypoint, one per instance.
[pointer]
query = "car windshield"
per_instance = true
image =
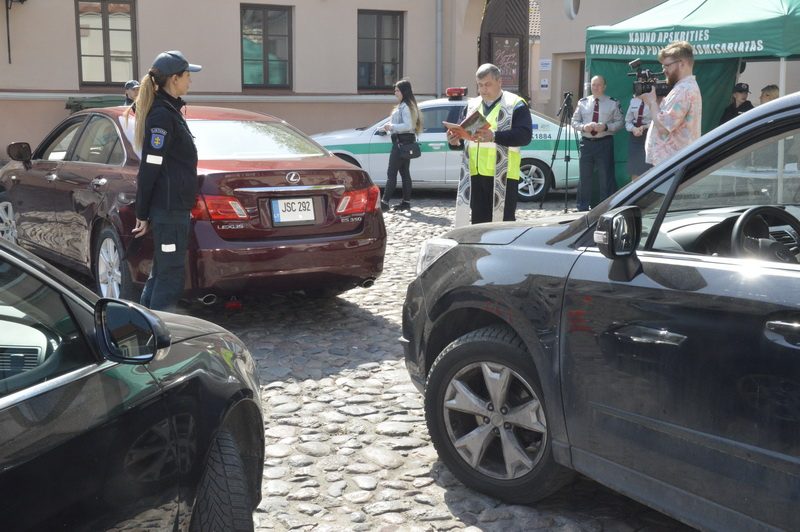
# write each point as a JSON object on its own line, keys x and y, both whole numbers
{"x": 245, "y": 140}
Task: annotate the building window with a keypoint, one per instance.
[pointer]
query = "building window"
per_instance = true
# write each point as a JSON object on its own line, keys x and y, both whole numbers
{"x": 106, "y": 41}
{"x": 380, "y": 45}
{"x": 266, "y": 46}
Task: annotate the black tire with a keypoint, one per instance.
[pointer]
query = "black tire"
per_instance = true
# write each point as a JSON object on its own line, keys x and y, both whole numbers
{"x": 535, "y": 180}
{"x": 347, "y": 158}
{"x": 112, "y": 274}
{"x": 223, "y": 502}
{"x": 495, "y": 349}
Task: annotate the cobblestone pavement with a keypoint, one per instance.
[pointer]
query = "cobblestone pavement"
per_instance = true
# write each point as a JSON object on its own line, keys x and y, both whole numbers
{"x": 347, "y": 446}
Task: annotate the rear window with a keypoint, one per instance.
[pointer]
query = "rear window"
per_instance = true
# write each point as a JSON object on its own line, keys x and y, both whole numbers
{"x": 233, "y": 139}
{"x": 237, "y": 139}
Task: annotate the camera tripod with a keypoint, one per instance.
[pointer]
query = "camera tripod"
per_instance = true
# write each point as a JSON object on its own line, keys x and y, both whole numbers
{"x": 565, "y": 122}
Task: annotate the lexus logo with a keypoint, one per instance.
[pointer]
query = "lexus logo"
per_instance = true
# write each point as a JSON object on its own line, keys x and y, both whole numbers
{"x": 293, "y": 178}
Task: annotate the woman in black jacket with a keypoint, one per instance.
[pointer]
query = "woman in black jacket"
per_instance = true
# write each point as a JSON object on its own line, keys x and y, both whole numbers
{"x": 167, "y": 180}
{"x": 739, "y": 103}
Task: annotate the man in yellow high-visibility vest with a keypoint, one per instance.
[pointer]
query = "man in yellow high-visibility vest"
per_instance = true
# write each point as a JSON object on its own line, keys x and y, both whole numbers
{"x": 491, "y": 164}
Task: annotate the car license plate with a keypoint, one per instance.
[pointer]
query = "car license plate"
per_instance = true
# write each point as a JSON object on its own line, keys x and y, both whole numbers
{"x": 293, "y": 211}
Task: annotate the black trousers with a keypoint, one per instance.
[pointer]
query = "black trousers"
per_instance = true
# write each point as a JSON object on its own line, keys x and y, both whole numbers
{"x": 481, "y": 199}
{"x": 398, "y": 164}
{"x": 597, "y": 154}
{"x": 164, "y": 287}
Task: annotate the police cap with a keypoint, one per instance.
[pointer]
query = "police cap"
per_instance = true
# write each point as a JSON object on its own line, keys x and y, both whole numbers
{"x": 173, "y": 62}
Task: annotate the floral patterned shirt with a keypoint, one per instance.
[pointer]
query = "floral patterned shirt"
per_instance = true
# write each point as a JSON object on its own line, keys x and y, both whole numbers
{"x": 680, "y": 114}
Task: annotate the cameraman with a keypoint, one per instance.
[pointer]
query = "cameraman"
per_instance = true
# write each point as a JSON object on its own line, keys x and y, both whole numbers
{"x": 596, "y": 118}
{"x": 676, "y": 122}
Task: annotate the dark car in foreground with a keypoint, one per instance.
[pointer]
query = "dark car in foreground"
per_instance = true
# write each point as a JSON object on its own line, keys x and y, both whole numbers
{"x": 652, "y": 344}
{"x": 116, "y": 417}
{"x": 275, "y": 211}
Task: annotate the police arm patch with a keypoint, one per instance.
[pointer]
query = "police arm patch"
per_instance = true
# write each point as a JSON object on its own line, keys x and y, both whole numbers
{"x": 157, "y": 137}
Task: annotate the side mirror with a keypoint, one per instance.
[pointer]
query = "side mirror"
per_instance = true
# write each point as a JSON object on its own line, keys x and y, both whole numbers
{"x": 380, "y": 132}
{"x": 20, "y": 151}
{"x": 618, "y": 232}
{"x": 129, "y": 333}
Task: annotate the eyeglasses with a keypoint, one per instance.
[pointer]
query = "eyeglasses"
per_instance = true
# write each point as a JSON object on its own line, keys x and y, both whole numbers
{"x": 665, "y": 65}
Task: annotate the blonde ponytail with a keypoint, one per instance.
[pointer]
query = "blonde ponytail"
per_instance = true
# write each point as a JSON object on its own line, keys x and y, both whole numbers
{"x": 142, "y": 106}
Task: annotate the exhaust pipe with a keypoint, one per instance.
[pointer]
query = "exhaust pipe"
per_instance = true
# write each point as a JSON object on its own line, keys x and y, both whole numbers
{"x": 366, "y": 283}
{"x": 208, "y": 299}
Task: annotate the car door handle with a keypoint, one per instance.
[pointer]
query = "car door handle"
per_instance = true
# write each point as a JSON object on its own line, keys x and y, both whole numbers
{"x": 783, "y": 332}
{"x": 98, "y": 182}
{"x": 436, "y": 145}
{"x": 51, "y": 177}
{"x": 638, "y": 334}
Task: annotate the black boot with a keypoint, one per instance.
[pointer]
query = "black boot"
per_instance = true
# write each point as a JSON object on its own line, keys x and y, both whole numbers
{"x": 402, "y": 206}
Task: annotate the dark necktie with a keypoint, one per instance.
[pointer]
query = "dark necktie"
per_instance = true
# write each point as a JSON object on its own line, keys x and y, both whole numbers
{"x": 639, "y": 118}
{"x": 596, "y": 114}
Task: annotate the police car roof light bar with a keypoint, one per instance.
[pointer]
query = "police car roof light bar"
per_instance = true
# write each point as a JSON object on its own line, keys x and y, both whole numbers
{"x": 455, "y": 93}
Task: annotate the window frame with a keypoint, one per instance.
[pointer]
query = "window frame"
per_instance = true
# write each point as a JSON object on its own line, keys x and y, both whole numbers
{"x": 74, "y": 306}
{"x": 95, "y": 117}
{"x": 38, "y": 155}
{"x": 106, "y": 44}
{"x": 706, "y": 158}
{"x": 264, "y": 8}
{"x": 378, "y": 50}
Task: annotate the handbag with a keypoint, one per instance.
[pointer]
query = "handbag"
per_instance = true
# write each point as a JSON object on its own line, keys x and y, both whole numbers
{"x": 409, "y": 150}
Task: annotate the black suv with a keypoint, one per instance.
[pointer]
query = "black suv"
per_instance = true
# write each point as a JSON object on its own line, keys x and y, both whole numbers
{"x": 652, "y": 344}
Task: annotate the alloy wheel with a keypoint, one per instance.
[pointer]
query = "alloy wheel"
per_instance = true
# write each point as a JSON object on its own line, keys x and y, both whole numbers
{"x": 8, "y": 225}
{"x": 495, "y": 420}
{"x": 109, "y": 274}
{"x": 532, "y": 181}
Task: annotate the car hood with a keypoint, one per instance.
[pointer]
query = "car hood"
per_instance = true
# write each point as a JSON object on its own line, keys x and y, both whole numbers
{"x": 503, "y": 233}
{"x": 339, "y": 135}
{"x": 183, "y": 328}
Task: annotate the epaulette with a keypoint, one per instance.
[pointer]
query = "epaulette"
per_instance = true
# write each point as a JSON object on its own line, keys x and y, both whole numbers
{"x": 611, "y": 97}
{"x": 584, "y": 98}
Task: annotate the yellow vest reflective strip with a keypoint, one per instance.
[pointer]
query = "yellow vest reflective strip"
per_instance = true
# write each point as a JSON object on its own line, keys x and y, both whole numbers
{"x": 483, "y": 155}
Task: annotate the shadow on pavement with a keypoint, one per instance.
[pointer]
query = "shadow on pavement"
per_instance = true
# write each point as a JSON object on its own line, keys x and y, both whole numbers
{"x": 585, "y": 503}
{"x": 292, "y": 335}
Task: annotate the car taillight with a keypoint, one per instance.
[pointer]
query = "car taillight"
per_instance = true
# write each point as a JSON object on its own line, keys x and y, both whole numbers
{"x": 359, "y": 201}
{"x": 218, "y": 208}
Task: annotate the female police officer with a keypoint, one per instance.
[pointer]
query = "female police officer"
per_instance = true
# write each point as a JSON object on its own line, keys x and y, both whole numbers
{"x": 167, "y": 179}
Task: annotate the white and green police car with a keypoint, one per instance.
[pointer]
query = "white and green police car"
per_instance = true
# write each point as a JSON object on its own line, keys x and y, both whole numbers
{"x": 440, "y": 167}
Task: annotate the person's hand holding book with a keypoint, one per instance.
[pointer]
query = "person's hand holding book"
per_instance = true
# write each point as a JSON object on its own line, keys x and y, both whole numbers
{"x": 484, "y": 134}
{"x": 474, "y": 128}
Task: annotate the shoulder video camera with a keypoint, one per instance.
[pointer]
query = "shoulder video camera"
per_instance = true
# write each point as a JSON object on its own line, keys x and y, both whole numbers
{"x": 646, "y": 80}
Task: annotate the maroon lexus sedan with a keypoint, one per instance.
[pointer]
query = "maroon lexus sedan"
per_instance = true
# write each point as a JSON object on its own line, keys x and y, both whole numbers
{"x": 275, "y": 211}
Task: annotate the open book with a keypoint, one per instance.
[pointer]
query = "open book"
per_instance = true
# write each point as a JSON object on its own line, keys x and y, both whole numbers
{"x": 469, "y": 126}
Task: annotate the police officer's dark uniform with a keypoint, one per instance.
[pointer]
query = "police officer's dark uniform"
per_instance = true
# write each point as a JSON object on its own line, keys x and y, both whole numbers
{"x": 167, "y": 188}
{"x": 130, "y": 85}
{"x": 732, "y": 111}
{"x": 597, "y": 150}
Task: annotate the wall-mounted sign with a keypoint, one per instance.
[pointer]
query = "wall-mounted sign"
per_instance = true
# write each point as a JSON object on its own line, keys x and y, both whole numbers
{"x": 545, "y": 64}
{"x": 544, "y": 84}
{"x": 505, "y": 55}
